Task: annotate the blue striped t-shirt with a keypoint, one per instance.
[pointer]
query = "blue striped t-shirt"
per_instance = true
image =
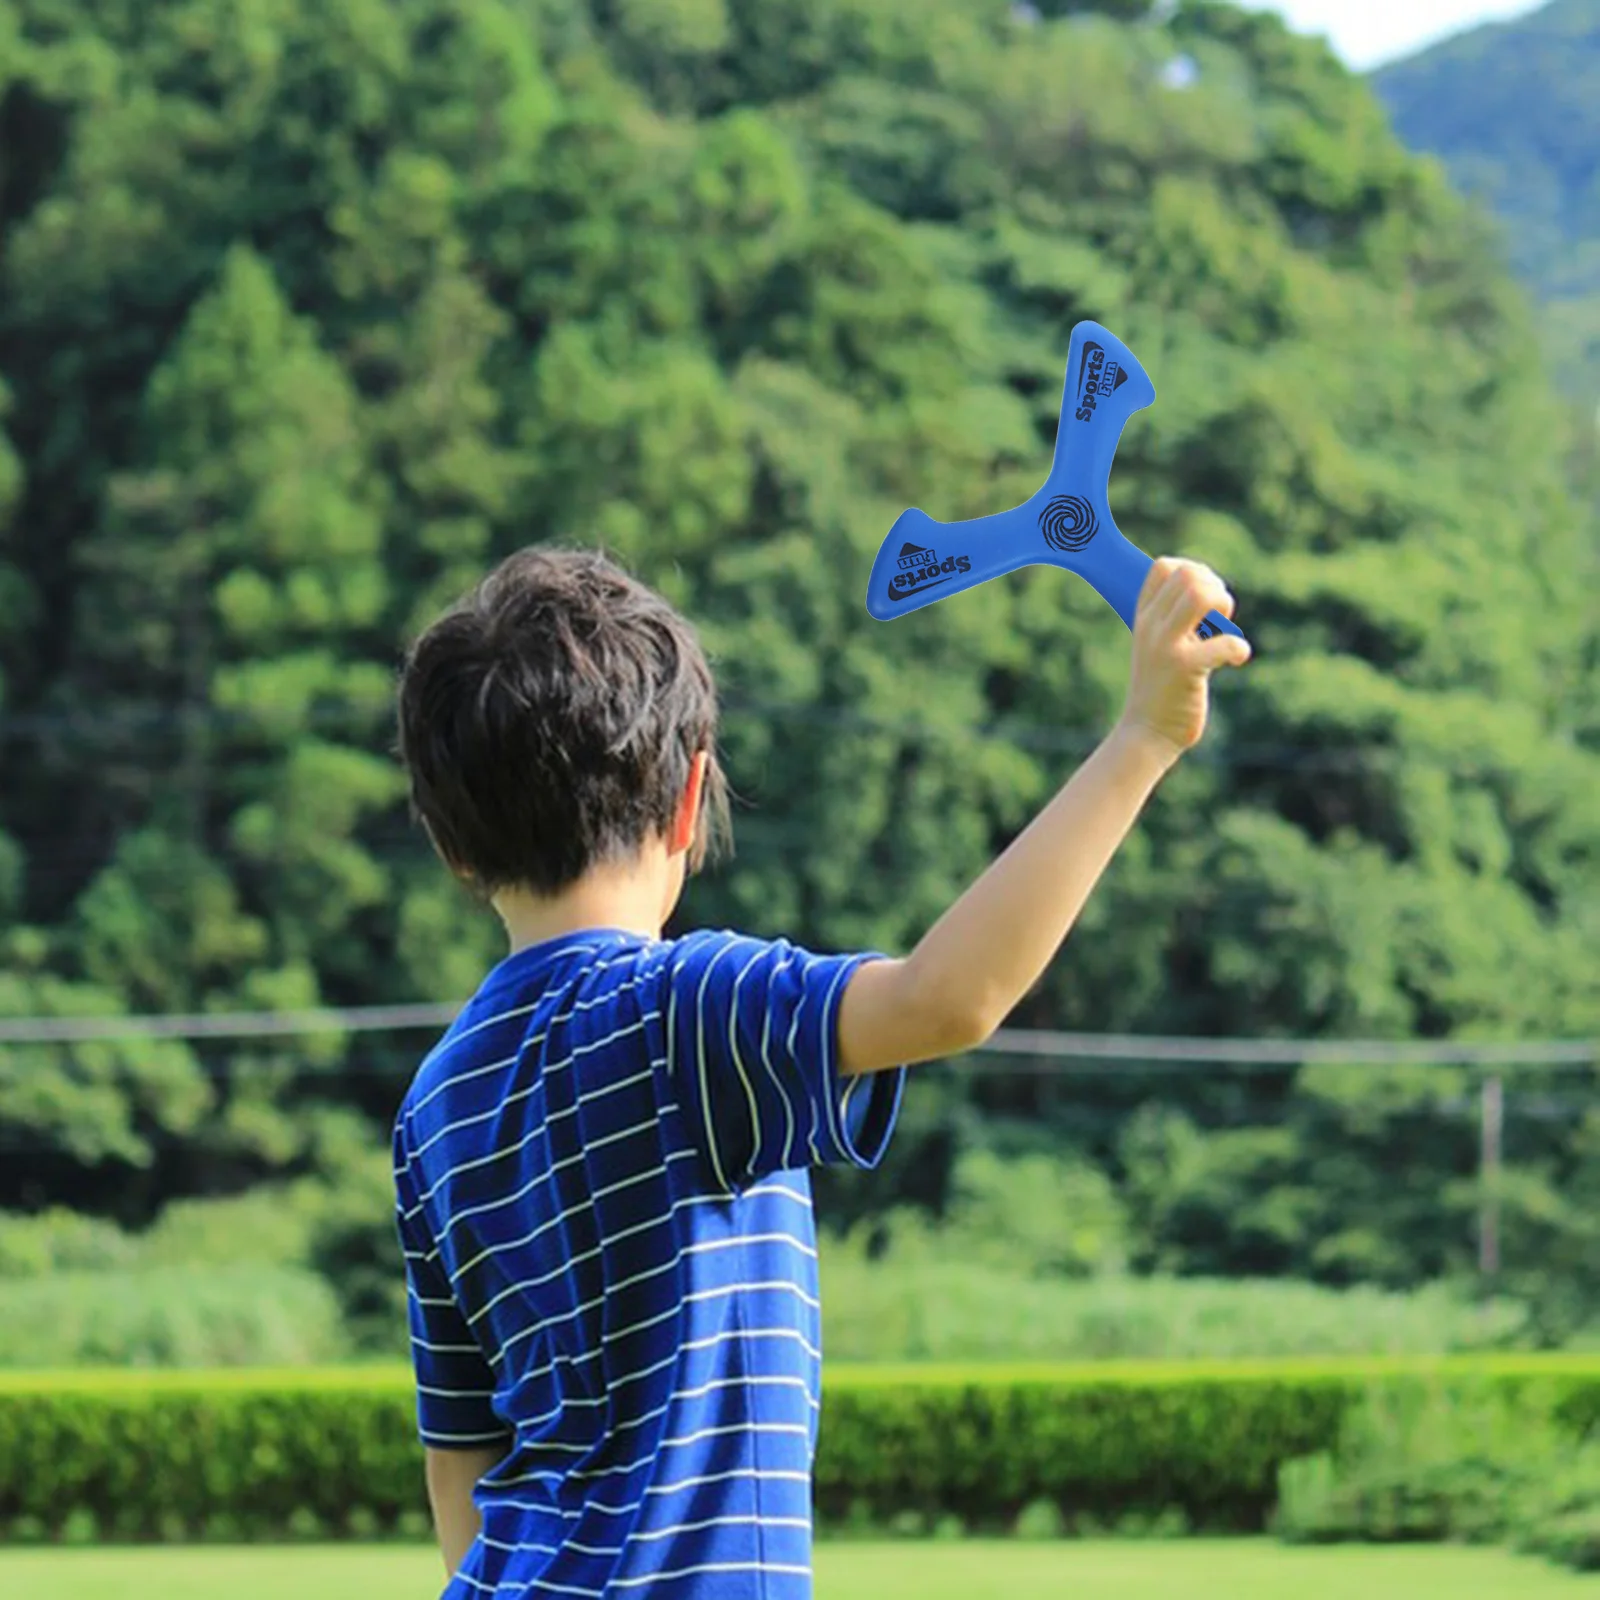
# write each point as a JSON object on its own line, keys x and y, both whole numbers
{"x": 611, "y": 1258}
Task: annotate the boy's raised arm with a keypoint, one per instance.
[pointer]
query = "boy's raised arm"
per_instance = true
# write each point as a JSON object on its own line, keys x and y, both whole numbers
{"x": 992, "y": 945}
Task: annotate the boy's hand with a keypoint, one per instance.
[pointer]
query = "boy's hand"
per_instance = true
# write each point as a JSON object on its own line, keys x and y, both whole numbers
{"x": 1167, "y": 688}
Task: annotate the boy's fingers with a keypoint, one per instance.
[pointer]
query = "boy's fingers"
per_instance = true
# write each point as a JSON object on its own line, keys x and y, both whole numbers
{"x": 1173, "y": 581}
{"x": 1156, "y": 580}
{"x": 1200, "y": 591}
{"x": 1225, "y": 650}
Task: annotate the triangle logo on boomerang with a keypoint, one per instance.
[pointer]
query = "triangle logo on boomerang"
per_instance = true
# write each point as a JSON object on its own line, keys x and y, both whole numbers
{"x": 1122, "y": 378}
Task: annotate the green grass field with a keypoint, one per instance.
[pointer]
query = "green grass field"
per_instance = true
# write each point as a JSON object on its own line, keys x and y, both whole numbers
{"x": 1197, "y": 1570}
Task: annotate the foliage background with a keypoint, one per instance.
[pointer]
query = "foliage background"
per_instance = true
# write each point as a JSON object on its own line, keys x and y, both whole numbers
{"x": 308, "y": 313}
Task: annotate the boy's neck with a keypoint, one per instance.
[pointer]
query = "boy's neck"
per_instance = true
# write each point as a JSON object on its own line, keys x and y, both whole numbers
{"x": 636, "y": 896}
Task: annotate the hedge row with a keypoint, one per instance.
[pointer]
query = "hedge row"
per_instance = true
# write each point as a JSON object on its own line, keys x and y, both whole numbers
{"x": 176, "y": 1455}
{"x": 1110, "y": 1439}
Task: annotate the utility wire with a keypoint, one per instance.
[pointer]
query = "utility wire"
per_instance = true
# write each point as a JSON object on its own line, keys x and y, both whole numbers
{"x": 228, "y": 1024}
{"x": 1038, "y": 1043}
{"x": 1294, "y": 1052}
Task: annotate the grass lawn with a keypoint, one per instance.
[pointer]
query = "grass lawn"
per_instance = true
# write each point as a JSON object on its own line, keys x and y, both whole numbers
{"x": 1124, "y": 1570}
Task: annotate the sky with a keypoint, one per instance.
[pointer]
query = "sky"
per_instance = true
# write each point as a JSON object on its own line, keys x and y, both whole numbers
{"x": 1369, "y": 32}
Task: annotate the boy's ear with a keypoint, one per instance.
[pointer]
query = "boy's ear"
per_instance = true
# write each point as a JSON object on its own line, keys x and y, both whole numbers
{"x": 686, "y": 819}
{"x": 455, "y": 870}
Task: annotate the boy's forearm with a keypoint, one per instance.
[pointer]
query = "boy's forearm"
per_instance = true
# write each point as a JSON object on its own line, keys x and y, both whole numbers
{"x": 452, "y": 1476}
{"x": 993, "y": 944}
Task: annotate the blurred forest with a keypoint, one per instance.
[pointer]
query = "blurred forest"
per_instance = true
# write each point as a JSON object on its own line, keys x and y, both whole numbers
{"x": 308, "y": 312}
{"x": 1513, "y": 109}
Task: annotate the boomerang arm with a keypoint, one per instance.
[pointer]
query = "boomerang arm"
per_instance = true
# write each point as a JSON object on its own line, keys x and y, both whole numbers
{"x": 1105, "y": 386}
{"x": 922, "y": 560}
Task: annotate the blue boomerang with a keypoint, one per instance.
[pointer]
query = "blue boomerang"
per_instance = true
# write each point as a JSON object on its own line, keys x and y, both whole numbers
{"x": 1066, "y": 524}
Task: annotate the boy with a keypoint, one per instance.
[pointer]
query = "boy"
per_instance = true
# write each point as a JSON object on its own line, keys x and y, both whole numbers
{"x": 601, "y": 1167}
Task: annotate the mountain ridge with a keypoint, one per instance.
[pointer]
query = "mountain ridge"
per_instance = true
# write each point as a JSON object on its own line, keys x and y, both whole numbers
{"x": 1512, "y": 108}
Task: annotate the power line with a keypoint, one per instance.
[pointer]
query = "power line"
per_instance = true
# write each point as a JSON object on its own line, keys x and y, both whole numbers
{"x": 228, "y": 1024}
{"x": 1037, "y": 1043}
{"x": 1295, "y": 1052}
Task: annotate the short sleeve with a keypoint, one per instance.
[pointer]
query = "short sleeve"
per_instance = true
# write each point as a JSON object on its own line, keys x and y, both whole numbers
{"x": 455, "y": 1387}
{"x": 752, "y": 1040}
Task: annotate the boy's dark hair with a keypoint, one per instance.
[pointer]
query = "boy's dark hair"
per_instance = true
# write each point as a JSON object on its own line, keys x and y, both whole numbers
{"x": 549, "y": 719}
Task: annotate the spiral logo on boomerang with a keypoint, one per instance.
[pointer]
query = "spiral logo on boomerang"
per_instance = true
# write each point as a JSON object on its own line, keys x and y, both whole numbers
{"x": 1068, "y": 522}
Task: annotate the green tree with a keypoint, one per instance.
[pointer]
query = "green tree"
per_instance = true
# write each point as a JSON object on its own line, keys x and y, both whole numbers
{"x": 226, "y": 649}
{"x": 310, "y": 313}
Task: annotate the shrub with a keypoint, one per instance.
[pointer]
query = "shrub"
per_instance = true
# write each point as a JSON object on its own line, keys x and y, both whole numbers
{"x": 59, "y": 1240}
{"x": 1558, "y": 1515}
{"x": 1463, "y": 1461}
{"x": 1571, "y": 1538}
{"x": 1040, "y": 1519}
{"x": 1137, "y": 1448}
{"x": 925, "y": 1302}
{"x": 1097, "y": 1439}
{"x": 301, "y": 1272}
{"x": 174, "y": 1316}
{"x": 275, "y": 1224}
{"x": 161, "y": 1453}
{"x": 1033, "y": 1213}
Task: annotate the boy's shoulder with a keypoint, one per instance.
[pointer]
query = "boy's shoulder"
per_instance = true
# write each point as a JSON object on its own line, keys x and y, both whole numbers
{"x": 521, "y": 992}
{"x": 588, "y": 976}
